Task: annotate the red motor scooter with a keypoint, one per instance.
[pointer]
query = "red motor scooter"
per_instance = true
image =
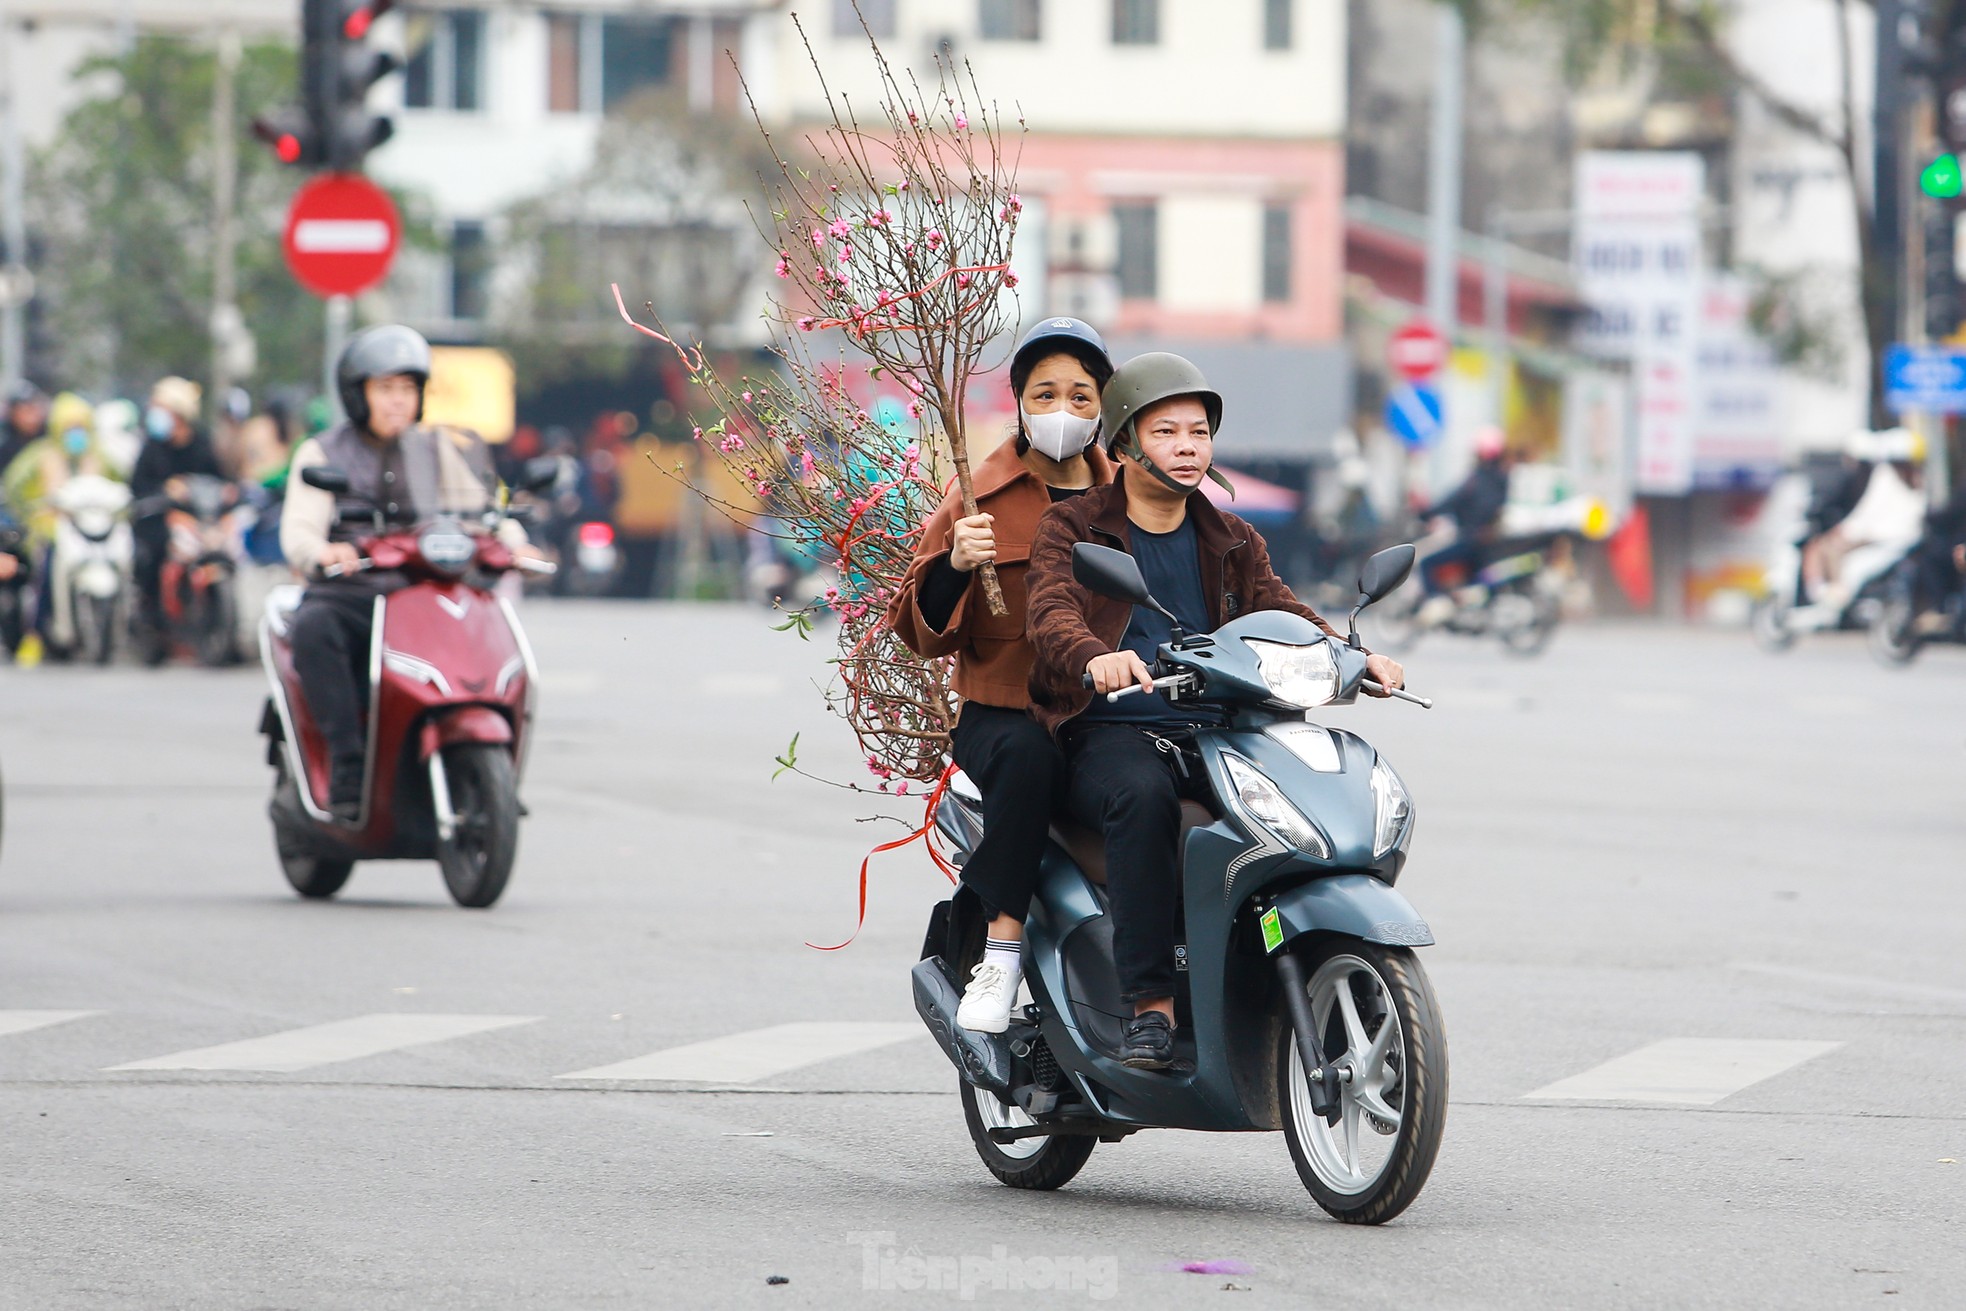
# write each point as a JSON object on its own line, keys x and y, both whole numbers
{"x": 451, "y": 691}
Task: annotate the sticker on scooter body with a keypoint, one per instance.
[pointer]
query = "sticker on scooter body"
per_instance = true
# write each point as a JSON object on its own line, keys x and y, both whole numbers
{"x": 1272, "y": 930}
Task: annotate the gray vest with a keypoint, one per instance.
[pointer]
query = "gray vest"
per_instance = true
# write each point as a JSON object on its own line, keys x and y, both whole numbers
{"x": 400, "y": 475}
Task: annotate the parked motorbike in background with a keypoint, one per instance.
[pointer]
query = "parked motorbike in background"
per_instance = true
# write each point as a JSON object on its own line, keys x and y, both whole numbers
{"x": 88, "y": 567}
{"x": 1301, "y": 1004}
{"x": 198, "y": 604}
{"x": 452, "y": 686}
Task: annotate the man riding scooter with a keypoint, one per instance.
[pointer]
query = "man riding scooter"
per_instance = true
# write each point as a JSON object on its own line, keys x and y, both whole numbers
{"x": 395, "y": 467}
{"x": 1475, "y": 508}
{"x": 1127, "y": 764}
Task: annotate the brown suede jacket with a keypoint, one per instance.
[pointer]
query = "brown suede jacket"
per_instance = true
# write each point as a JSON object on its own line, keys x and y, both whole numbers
{"x": 1070, "y": 625}
{"x": 993, "y": 660}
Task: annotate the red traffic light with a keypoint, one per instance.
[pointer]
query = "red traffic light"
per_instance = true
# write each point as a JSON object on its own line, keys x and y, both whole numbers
{"x": 287, "y": 132}
{"x": 356, "y": 26}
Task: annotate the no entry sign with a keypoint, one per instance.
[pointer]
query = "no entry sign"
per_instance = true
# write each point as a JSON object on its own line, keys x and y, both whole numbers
{"x": 1417, "y": 350}
{"x": 341, "y": 235}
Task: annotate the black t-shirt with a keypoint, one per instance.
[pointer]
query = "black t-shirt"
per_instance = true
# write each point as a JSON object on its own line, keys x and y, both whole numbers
{"x": 1171, "y": 564}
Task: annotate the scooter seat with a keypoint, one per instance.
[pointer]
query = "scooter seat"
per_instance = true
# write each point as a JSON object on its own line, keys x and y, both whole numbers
{"x": 1087, "y": 847}
{"x": 281, "y": 603}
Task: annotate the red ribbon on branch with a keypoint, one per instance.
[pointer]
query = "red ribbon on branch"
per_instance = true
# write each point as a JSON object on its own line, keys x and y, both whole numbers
{"x": 925, "y": 834}
{"x": 692, "y": 357}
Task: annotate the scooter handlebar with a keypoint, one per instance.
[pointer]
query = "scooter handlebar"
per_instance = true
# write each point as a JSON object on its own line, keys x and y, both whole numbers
{"x": 338, "y": 570}
{"x": 536, "y": 566}
{"x": 1400, "y": 693}
{"x": 1171, "y": 680}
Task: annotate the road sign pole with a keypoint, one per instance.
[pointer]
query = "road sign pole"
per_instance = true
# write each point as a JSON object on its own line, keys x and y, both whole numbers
{"x": 340, "y": 312}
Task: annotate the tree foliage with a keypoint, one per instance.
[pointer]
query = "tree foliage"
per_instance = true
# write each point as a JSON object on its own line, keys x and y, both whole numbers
{"x": 122, "y": 204}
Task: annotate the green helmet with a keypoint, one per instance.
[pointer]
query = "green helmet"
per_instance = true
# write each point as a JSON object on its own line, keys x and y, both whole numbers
{"x": 1140, "y": 383}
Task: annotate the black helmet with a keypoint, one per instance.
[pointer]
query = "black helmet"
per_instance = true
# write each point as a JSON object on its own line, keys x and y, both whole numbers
{"x": 380, "y": 352}
{"x": 1073, "y": 337}
{"x": 24, "y": 392}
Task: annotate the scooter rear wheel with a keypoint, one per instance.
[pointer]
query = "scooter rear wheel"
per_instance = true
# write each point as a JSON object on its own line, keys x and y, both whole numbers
{"x": 1036, "y": 1163}
{"x": 1380, "y": 1032}
{"x": 477, "y": 858}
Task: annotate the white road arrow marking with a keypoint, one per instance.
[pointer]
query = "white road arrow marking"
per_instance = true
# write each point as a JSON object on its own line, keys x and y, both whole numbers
{"x": 1685, "y": 1071}
{"x": 758, "y": 1054}
{"x": 22, "y": 1021}
{"x": 324, "y": 1044}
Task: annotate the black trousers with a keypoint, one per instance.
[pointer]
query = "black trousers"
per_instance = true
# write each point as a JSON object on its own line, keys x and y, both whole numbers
{"x": 332, "y": 629}
{"x": 1123, "y": 783}
{"x": 1021, "y": 774}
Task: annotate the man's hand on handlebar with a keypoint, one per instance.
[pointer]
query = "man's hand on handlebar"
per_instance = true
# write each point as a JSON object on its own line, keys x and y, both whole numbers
{"x": 337, "y": 553}
{"x": 1386, "y": 671}
{"x": 1110, "y": 673}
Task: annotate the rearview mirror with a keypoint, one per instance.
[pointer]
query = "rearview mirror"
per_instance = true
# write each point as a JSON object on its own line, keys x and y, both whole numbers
{"x": 328, "y": 480}
{"x": 1109, "y": 573}
{"x": 1385, "y": 571}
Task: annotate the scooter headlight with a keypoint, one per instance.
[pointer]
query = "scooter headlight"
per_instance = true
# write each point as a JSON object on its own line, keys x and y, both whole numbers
{"x": 447, "y": 549}
{"x": 1265, "y": 802}
{"x": 1300, "y": 677}
{"x": 1392, "y": 811}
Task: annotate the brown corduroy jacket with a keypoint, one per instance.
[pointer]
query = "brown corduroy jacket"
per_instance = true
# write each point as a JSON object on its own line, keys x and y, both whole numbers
{"x": 993, "y": 659}
{"x": 1070, "y": 625}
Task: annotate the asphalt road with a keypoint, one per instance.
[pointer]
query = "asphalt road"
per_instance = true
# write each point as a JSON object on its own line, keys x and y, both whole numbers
{"x": 1647, "y": 836}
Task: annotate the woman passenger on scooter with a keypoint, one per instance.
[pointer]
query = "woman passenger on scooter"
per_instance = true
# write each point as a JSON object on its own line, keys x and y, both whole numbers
{"x": 1057, "y": 375}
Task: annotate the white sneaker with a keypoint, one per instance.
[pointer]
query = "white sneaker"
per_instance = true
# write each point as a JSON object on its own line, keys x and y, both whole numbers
{"x": 987, "y": 1000}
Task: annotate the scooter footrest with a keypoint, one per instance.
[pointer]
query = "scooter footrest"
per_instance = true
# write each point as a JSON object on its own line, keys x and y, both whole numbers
{"x": 982, "y": 1058}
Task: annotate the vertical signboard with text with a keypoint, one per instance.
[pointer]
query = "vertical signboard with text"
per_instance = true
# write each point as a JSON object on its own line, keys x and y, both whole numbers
{"x": 1639, "y": 258}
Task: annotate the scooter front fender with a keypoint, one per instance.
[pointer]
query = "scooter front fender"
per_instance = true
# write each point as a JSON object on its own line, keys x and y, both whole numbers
{"x": 1357, "y": 905}
{"x": 464, "y": 724}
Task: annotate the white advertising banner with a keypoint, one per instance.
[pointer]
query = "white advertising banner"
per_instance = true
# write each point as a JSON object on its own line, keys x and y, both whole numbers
{"x": 1638, "y": 255}
{"x": 1738, "y": 442}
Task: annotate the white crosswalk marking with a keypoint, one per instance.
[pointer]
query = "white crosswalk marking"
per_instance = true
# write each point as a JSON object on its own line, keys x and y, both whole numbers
{"x": 758, "y": 1054}
{"x": 323, "y": 1044}
{"x": 1685, "y": 1071}
{"x": 22, "y": 1021}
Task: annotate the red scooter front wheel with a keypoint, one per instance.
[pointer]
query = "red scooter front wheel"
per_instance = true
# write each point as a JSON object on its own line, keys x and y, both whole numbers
{"x": 484, "y": 792}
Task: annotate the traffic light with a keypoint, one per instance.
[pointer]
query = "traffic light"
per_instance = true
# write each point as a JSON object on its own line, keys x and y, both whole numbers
{"x": 338, "y": 68}
{"x": 1942, "y": 58}
{"x": 332, "y": 127}
{"x": 291, "y": 134}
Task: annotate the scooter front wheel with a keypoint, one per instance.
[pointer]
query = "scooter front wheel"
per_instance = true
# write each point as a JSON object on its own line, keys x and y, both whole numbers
{"x": 1769, "y": 622}
{"x": 477, "y": 857}
{"x": 1382, "y": 1045}
{"x": 1040, "y": 1163}
{"x": 1893, "y": 630}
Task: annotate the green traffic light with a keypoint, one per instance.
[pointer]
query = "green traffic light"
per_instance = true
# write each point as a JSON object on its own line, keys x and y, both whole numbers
{"x": 1941, "y": 178}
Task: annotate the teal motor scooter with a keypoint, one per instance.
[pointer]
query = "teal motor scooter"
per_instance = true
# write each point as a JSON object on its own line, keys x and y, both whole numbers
{"x": 1300, "y": 1005}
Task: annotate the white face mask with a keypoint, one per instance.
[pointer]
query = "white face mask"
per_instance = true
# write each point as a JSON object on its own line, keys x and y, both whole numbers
{"x": 1059, "y": 434}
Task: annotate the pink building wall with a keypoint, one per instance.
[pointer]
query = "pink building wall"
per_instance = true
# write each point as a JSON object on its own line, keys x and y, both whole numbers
{"x": 1076, "y": 176}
